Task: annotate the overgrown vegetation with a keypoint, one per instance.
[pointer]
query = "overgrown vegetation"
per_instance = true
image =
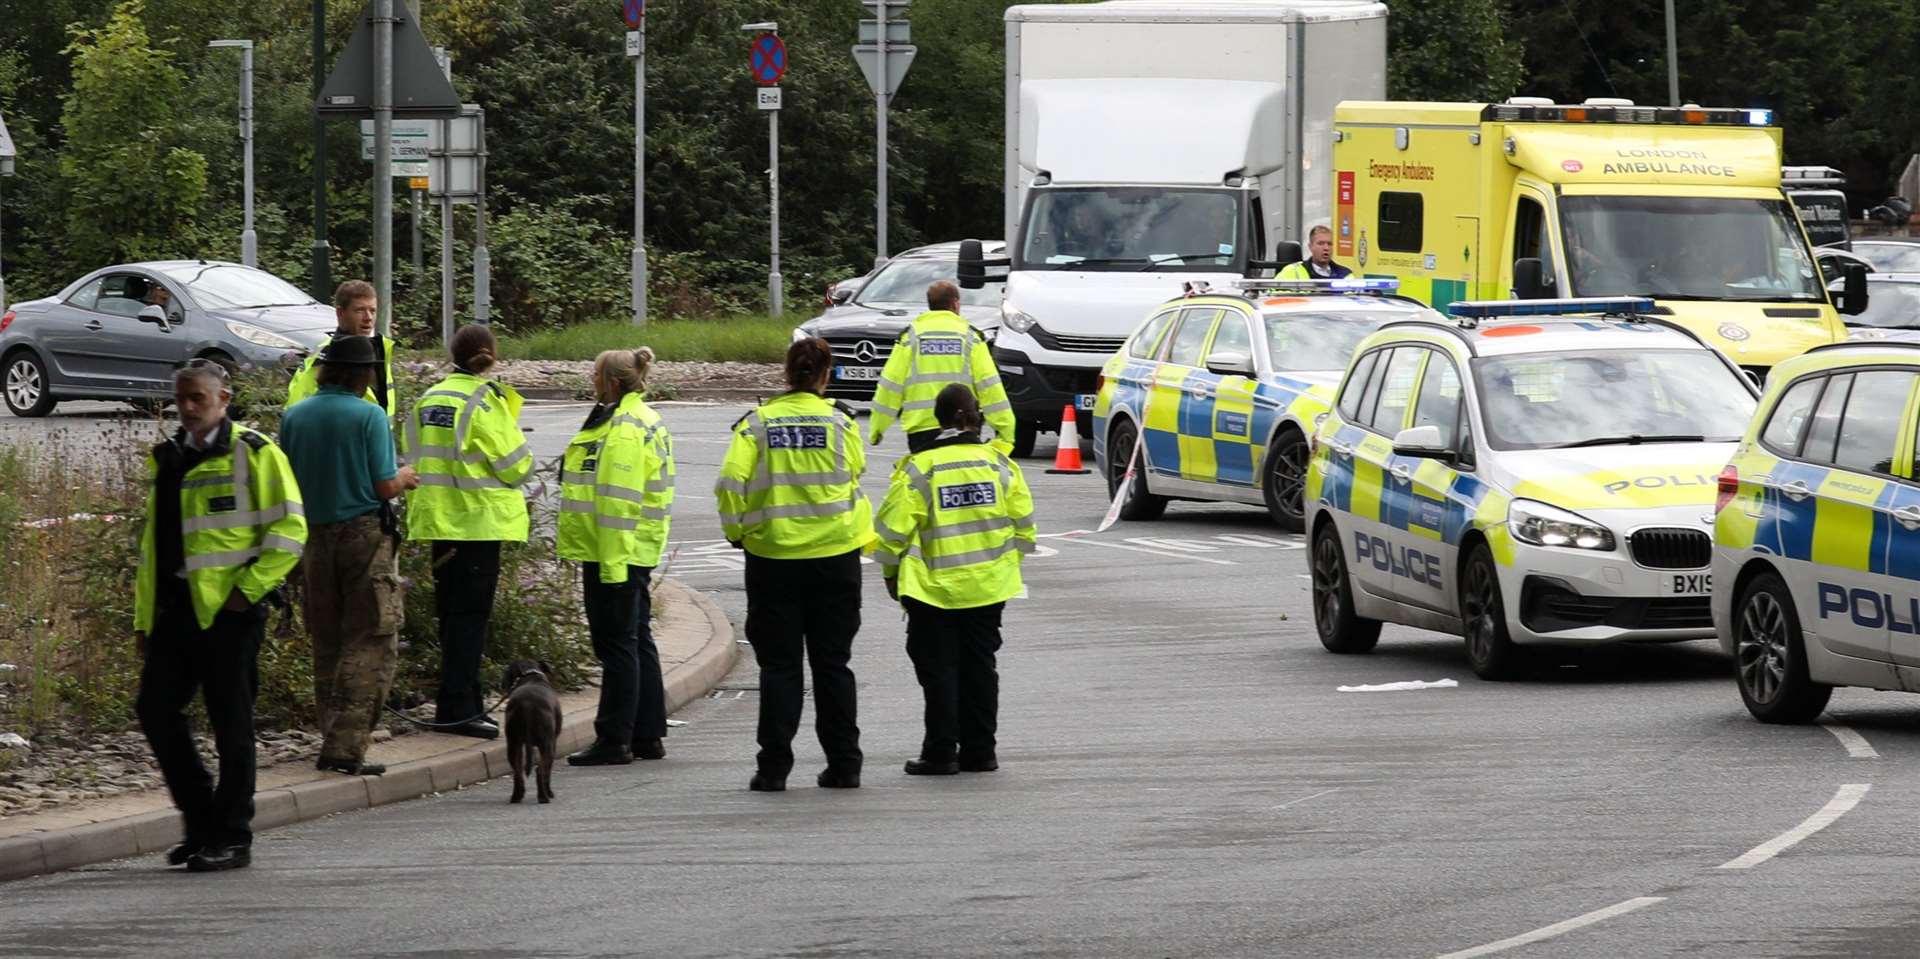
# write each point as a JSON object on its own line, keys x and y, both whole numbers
{"x": 69, "y": 535}
{"x": 753, "y": 339}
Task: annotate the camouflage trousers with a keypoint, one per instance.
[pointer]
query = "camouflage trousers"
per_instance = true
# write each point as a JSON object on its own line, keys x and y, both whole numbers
{"x": 353, "y": 612}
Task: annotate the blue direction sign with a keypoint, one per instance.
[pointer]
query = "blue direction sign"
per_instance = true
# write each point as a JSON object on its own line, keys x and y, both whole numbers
{"x": 768, "y": 59}
{"x": 635, "y": 11}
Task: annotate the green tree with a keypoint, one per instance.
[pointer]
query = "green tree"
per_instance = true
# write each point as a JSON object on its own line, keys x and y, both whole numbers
{"x": 1451, "y": 50}
{"x": 131, "y": 186}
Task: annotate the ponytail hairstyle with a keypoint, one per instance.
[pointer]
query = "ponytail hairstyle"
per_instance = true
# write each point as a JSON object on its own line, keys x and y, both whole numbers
{"x": 957, "y": 408}
{"x": 808, "y": 363}
{"x": 623, "y": 371}
{"x": 473, "y": 349}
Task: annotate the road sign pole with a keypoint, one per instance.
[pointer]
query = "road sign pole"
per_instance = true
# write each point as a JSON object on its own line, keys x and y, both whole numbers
{"x": 419, "y": 256}
{"x": 249, "y": 240}
{"x": 640, "y": 180}
{"x": 382, "y": 22}
{"x": 880, "y": 139}
{"x": 775, "y": 286}
{"x": 482, "y": 260}
{"x": 320, "y": 269}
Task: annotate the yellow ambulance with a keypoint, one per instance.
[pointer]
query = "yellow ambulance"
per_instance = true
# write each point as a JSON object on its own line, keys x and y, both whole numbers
{"x": 1533, "y": 199}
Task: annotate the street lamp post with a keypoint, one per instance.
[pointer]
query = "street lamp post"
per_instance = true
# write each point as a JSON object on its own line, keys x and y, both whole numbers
{"x": 6, "y": 170}
{"x": 249, "y": 241}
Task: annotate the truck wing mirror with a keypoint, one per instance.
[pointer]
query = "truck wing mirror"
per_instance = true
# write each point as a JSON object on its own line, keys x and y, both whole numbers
{"x": 1529, "y": 279}
{"x": 1287, "y": 252}
{"x": 1853, "y": 290}
{"x": 972, "y": 268}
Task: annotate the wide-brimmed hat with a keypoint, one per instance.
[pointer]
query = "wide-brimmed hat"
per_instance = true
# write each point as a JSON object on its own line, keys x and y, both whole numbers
{"x": 350, "y": 351}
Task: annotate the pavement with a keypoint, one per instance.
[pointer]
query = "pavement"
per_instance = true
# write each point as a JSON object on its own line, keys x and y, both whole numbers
{"x": 1181, "y": 776}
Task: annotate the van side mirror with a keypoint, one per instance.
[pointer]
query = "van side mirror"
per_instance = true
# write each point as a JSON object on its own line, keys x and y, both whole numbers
{"x": 1287, "y": 252}
{"x": 1853, "y": 290}
{"x": 972, "y": 270}
{"x": 1424, "y": 442}
{"x": 1230, "y": 363}
{"x": 156, "y": 314}
{"x": 1530, "y": 279}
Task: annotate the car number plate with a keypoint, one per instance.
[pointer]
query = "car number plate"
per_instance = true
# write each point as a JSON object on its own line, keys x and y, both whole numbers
{"x": 857, "y": 372}
{"x": 1084, "y": 401}
{"x": 1686, "y": 584}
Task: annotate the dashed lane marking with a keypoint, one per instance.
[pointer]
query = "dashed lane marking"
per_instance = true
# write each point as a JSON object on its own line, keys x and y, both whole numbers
{"x": 1857, "y": 745}
{"x": 1841, "y": 803}
{"x": 1557, "y": 929}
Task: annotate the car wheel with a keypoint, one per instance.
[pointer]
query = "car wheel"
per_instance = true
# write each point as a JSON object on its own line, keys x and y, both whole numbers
{"x": 1491, "y": 650}
{"x": 1770, "y": 655}
{"x": 1140, "y": 504}
{"x": 1284, "y": 484}
{"x": 1024, "y": 434}
{"x": 27, "y": 388}
{"x": 1341, "y": 629}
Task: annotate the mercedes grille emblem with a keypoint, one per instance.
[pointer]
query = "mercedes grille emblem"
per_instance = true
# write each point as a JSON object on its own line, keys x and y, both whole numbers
{"x": 865, "y": 351}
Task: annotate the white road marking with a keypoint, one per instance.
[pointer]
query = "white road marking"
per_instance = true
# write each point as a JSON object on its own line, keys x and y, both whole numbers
{"x": 1305, "y": 798}
{"x": 1071, "y": 537}
{"x": 1841, "y": 803}
{"x": 1557, "y": 929}
{"x": 1857, "y": 745}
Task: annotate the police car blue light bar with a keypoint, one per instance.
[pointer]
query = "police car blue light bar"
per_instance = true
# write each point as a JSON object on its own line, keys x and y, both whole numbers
{"x": 1571, "y": 306}
{"x": 1352, "y": 284}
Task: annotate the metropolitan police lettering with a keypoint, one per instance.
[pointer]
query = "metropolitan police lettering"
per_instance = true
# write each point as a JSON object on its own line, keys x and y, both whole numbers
{"x": 796, "y": 437}
{"x": 942, "y": 346}
{"x": 438, "y": 416}
{"x": 963, "y": 495}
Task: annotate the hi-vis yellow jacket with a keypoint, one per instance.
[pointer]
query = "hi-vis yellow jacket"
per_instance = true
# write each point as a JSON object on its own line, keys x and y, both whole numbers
{"x": 957, "y": 519}
{"x": 789, "y": 487}
{"x": 241, "y": 523}
{"x": 464, "y": 439}
{"x": 616, "y": 489}
{"x": 306, "y": 379}
{"x": 939, "y": 348}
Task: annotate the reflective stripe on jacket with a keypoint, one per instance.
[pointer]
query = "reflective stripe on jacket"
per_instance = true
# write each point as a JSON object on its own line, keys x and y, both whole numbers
{"x": 464, "y": 440}
{"x": 938, "y": 349}
{"x": 789, "y": 487}
{"x": 306, "y": 380}
{"x": 241, "y": 524}
{"x": 616, "y": 490}
{"x": 956, "y": 521}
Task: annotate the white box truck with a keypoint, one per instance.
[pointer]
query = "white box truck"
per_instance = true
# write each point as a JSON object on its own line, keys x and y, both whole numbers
{"x": 1151, "y": 143}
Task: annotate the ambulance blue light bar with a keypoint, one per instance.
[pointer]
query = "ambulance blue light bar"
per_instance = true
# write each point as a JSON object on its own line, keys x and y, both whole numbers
{"x": 1571, "y": 306}
{"x": 1352, "y": 284}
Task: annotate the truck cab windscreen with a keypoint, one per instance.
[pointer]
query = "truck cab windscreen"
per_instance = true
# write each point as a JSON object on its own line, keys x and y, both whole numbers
{"x": 1132, "y": 229}
{"x": 1687, "y": 248}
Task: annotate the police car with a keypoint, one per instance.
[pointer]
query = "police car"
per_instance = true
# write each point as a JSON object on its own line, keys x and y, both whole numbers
{"x": 1538, "y": 471}
{"x": 1225, "y": 387}
{"x": 1817, "y": 532}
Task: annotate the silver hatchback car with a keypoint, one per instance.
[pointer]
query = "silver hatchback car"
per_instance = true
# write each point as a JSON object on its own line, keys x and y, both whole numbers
{"x": 118, "y": 333}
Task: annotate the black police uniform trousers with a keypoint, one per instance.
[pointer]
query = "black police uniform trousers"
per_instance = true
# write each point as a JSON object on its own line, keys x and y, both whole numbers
{"x": 465, "y": 575}
{"x": 220, "y": 663}
{"x": 633, "y": 702}
{"x": 810, "y": 608}
{"x": 953, "y": 657}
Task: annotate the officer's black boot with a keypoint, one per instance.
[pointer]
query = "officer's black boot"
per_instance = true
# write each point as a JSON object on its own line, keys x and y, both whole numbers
{"x": 602, "y": 753}
{"x": 932, "y": 767}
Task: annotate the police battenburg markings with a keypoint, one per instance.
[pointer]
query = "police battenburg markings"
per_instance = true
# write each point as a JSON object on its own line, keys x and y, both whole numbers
{"x": 963, "y": 495}
{"x": 796, "y": 437}
{"x": 940, "y": 346}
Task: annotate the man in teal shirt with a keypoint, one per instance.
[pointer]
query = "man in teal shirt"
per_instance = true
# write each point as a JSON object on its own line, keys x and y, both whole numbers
{"x": 341, "y": 449}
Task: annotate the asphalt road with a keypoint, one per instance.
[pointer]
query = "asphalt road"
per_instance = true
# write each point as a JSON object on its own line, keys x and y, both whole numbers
{"x": 1180, "y": 777}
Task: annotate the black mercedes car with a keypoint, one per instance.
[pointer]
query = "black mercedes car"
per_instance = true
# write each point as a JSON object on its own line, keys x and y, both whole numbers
{"x": 862, "y": 329}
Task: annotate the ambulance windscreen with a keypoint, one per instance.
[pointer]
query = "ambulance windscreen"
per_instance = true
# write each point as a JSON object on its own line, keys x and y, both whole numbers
{"x": 1532, "y": 401}
{"x": 1687, "y": 248}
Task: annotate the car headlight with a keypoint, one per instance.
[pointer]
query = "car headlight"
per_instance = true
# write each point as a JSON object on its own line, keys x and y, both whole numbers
{"x": 260, "y": 337}
{"x": 1015, "y": 320}
{"x": 800, "y": 334}
{"x": 1543, "y": 525}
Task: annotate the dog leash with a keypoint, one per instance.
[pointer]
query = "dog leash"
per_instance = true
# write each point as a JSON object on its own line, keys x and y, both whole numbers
{"x": 427, "y": 725}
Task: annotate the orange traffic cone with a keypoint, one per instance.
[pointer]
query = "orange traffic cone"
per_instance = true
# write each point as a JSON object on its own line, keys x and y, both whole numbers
{"x": 1067, "y": 460}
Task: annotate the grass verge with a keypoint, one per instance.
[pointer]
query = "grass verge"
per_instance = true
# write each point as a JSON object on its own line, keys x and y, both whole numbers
{"x": 750, "y": 339}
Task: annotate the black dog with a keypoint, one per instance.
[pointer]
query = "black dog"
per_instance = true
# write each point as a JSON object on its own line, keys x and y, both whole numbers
{"x": 533, "y": 725}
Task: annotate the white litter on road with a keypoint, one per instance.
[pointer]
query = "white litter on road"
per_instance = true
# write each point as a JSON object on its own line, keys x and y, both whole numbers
{"x": 14, "y": 741}
{"x": 1397, "y": 687}
{"x": 676, "y": 722}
